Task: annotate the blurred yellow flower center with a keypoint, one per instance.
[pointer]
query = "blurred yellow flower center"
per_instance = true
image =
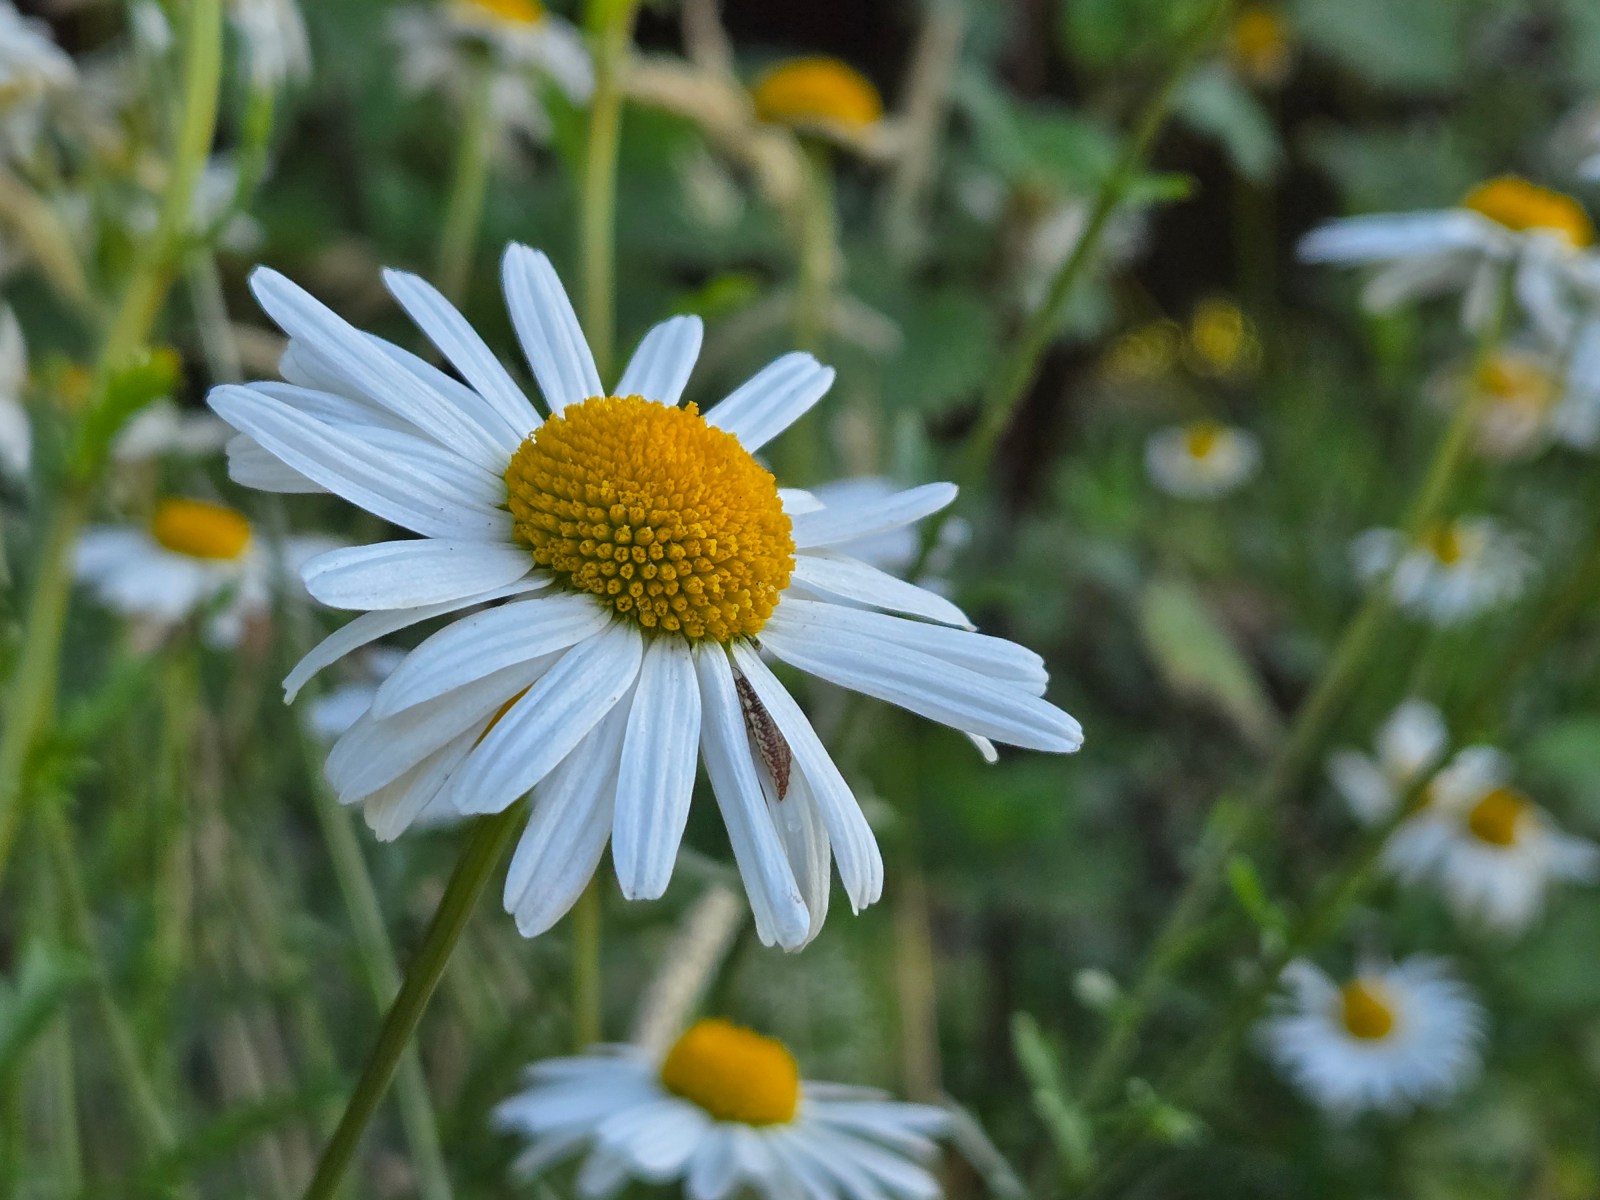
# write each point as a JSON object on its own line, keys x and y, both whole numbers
{"x": 734, "y": 1074}
{"x": 1259, "y": 43}
{"x": 1496, "y": 817}
{"x": 200, "y": 530}
{"x": 817, "y": 91}
{"x": 1220, "y": 335}
{"x": 659, "y": 514}
{"x": 513, "y": 12}
{"x": 1201, "y": 438}
{"x": 1520, "y": 205}
{"x": 1364, "y": 1011}
{"x": 1445, "y": 543}
{"x": 1517, "y": 381}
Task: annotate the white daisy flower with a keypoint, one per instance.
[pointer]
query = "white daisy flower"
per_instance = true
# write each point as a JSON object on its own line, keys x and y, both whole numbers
{"x": 1409, "y": 747}
{"x": 32, "y": 70}
{"x": 192, "y": 556}
{"x": 1502, "y": 852}
{"x": 1456, "y": 571}
{"x": 724, "y": 1112}
{"x": 1525, "y": 404}
{"x": 442, "y": 45}
{"x": 1391, "y": 1038}
{"x": 645, "y": 560}
{"x": 163, "y": 429}
{"x": 277, "y": 51}
{"x": 16, "y": 433}
{"x": 1503, "y": 223}
{"x": 1201, "y": 460}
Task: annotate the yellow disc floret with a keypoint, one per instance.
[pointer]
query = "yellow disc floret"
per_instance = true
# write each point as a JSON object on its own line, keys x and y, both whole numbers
{"x": 734, "y": 1074}
{"x": 1201, "y": 438}
{"x": 1364, "y": 1010}
{"x": 511, "y": 12}
{"x": 1258, "y": 44}
{"x": 1496, "y": 818}
{"x": 200, "y": 530}
{"x": 664, "y": 517}
{"x": 1518, "y": 381}
{"x": 1520, "y": 205}
{"x": 817, "y": 92}
{"x": 1445, "y": 542}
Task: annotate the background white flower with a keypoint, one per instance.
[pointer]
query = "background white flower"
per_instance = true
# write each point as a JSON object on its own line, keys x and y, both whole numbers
{"x": 1410, "y": 746}
{"x": 16, "y": 432}
{"x": 1201, "y": 460}
{"x": 1456, "y": 571}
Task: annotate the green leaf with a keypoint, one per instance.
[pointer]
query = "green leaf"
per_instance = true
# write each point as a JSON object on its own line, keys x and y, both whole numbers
{"x": 46, "y": 977}
{"x": 1065, "y": 1122}
{"x": 1215, "y": 103}
{"x": 1198, "y": 659}
{"x": 129, "y": 387}
{"x": 1419, "y": 45}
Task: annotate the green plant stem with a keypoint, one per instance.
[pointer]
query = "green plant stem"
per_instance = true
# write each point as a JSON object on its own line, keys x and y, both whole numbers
{"x": 485, "y": 846}
{"x": 30, "y": 701}
{"x": 1306, "y": 733}
{"x": 587, "y": 1026}
{"x": 468, "y": 185}
{"x": 378, "y": 963}
{"x": 610, "y": 25}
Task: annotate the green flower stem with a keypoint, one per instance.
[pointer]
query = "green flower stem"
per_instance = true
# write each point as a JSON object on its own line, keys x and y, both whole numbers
{"x": 468, "y": 185}
{"x": 30, "y": 701}
{"x": 378, "y": 963}
{"x": 586, "y": 1013}
{"x": 610, "y": 26}
{"x": 1310, "y": 726}
{"x": 485, "y": 846}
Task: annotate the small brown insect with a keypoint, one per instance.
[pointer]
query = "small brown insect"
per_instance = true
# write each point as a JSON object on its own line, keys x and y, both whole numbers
{"x": 775, "y": 752}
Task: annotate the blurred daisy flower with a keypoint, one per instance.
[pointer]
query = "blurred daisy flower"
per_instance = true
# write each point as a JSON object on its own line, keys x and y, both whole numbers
{"x": 1259, "y": 46}
{"x": 645, "y": 559}
{"x": 444, "y": 46}
{"x": 1502, "y": 852}
{"x": 192, "y": 558}
{"x": 821, "y": 97}
{"x": 163, "y": 430}
{"x": 1524, "y": 402}
{"x": 272, "y": 34}
{"x": 16, "y": 433}
{"x": 1455, "y": 571}
{"x": 1409, "y": 748}
{"x": 1505, "y": 223}
{"x": 1391, "y": 1038}
{"x": 1201, "y": 460}
{"x": 726, "y": 1113}
{"x": 32, "y": 70}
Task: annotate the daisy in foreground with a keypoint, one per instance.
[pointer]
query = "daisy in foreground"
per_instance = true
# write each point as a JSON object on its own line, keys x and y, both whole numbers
{"x": 636, "y": 561}
{"x": 1391, "y": 1038}
{"x": 723, "y": 1111}
{"x": 1455, "y": 571}
{"x": 1201, "y": 460}
{"x": 192, "y": 558}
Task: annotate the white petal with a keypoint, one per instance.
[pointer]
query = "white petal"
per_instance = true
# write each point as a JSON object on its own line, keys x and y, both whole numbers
{"x": 773, "y": 399}
{"x": 551, "y": 337}
{"x": 252, "y": 467}
{"x": 659, "y": 759}
{"x": 540, "y": 729}
{"x": 660, "y": 367}
{"x": 831, "y": 526}
{"x": 447, "y": 329}
{"x": 1381, "y": 237}
{"x": 851, "y": 579}
{"x": 409, "y": 574}
{"x": 775, "y": 900}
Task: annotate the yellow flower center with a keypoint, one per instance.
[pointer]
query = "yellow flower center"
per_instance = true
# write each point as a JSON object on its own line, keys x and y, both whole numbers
{"x": 1364, "y": 1010}
{"x": 1517, "y": 381}
{"x": 1259, "y": 44}
{"x": 817, "y": 91}
{"x": 1201, "y": 438}
{"x": 669, "y": 520}
{"x": 1496, "y": 818}
{"x": 1445, "y": 543}
{"x": 1520, "y": 205}
{"x": 512, "y": 12}
{"x": 200, "y": 530}
{"x": 734, "y": 1074}
{"x": 1221, "y": 336}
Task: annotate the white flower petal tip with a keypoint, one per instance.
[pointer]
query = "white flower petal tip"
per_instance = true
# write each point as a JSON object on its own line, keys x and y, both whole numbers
{"x": 661, "y": 366}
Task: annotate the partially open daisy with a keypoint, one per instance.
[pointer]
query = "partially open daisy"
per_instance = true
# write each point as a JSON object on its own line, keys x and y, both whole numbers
{"x": 642, "y": 559}
{"x": 16, "y": 432}
{"x": 1502, "y": 852}
{"x": 1259, "y": 46}
{"x": 725, "y": 1112}
{"x": 191, "y": 558}
{"x": 822, "y": 96}
{"x": 1390, "y": 1038}
{"x": 1201, "y": 460}
{"x": 1410, "y": 746}
{"x": 1456, "y": 570}
{"x": 1505, "y": 223}
{"x": 444, "y": 45}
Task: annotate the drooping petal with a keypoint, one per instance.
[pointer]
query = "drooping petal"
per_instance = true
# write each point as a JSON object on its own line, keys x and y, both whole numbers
{"x": 659, "y": 758}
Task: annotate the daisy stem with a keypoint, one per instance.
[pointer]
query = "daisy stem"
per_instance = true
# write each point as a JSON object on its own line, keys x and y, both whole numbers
{"x": 485, "y": 846}
{"x": 610, "y": 25}
{"x": 30, "y": 701}
{"x": 382, "y": 971}
{"x": 469, "y": 183}
{"x": 586, "y": 1023}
